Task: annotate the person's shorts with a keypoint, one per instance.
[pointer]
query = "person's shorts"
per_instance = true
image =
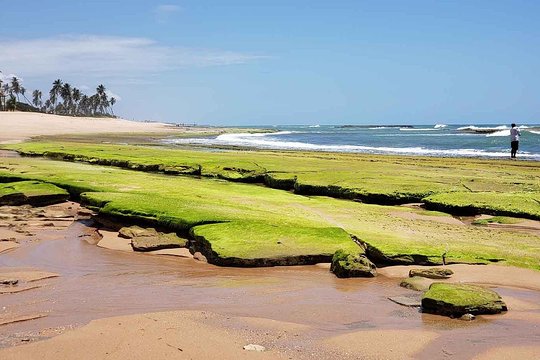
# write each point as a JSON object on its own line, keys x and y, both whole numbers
{"x": 515, "y": 145}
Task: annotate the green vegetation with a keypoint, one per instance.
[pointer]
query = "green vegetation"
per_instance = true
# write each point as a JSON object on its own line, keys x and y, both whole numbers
{"x": 352, "y": 264}
{"x": 521, "y": 204}
{"x": 497, "y": 220}
{"x": 31, "y": 192}
{"x": 458, "y": 299}
{"x": 262, "y": 243}
{"x": 237, "y": 223}
{"x": 451, "y": 185}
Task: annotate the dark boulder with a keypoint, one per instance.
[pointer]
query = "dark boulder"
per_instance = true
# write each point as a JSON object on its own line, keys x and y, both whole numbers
{"x": 345, "y": 265}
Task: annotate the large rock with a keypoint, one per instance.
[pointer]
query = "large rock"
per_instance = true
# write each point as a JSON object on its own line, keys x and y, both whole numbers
{"x": 346, "y": 265}
{"x": 149, "y": 239}
{"x": 458, "y": 299}
{"x": 432, "y": 273}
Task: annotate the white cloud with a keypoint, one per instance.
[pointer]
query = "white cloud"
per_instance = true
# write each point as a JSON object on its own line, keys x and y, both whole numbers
{"x": 165, "y": 11}
{"x": 107, "y": 56}
{"x": 110, "y": 94}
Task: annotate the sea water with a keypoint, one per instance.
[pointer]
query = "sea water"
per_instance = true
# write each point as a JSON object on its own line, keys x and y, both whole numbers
{"x": 490, "y": 141}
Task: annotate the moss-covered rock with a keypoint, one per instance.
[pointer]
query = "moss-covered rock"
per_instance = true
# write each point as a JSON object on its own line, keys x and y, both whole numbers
{"x": 34, "y": 193}
{"x": 149, "y": 239}
{"x": 346, "y": 264}
{"x": 432, "y": 273}
{"x": 458, "y": 299}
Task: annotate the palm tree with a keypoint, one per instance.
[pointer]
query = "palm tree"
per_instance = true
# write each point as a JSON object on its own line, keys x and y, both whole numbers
{"x": 36, "y": 98}
{"x": 55, "y": 92}
{"x": 112, "y": 102}
{"x": 46, "y": 106}
{"x": 65, "y": 93}
{"x": 102, "y": 98}
{"x": 76, "y": 96}
{"x": 16, "y": 87}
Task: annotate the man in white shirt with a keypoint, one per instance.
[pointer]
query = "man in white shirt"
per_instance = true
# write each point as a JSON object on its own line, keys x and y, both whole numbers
{"x": 514, "y": 140}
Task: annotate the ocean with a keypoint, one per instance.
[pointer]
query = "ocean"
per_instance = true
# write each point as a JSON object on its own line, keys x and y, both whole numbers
{"x": 489, "y": 141}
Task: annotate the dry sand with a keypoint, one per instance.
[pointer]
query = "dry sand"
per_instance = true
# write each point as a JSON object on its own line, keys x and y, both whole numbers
{"x": 17, "y": 126}
{"x": 168, "y": 335}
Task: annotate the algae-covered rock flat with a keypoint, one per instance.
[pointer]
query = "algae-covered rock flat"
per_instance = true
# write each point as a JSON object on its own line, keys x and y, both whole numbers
{"x": 31, "y": 192}
{"x": 461, "y": 186}
{"x": 244, "y": 224}
{"x": 458, "y": 299}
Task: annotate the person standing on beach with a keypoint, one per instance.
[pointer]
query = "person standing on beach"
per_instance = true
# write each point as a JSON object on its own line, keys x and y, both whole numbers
{"x": 514, "y": 140}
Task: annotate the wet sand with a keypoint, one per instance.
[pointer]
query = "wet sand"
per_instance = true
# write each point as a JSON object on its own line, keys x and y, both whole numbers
{"x": 332, "y": 318}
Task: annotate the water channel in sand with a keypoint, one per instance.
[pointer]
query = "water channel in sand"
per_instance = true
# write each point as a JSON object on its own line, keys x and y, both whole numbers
{"x": 96, "y": 283}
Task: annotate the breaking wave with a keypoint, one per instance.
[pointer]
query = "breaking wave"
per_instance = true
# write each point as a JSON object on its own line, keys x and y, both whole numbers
{"x": 271, "y": 141}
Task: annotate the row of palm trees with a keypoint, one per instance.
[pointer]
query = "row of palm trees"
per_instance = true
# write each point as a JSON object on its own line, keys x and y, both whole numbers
{"x": 64, "y": 99}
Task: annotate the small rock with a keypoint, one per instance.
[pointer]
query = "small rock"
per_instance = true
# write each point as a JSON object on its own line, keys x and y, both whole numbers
{"x": 200, "y": 257}
{"x": 9, "y": 281}
{"x": 254, "y": 347}
{"x": 468, "y": 317}
{"x": 416, "y": 283}
{"x": 432, "y": 273}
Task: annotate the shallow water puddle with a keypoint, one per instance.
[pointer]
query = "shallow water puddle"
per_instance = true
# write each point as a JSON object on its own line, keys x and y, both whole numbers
{"x": 96, "y": 283}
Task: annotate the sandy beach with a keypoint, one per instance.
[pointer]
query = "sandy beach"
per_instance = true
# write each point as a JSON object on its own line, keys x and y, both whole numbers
{"x": 18, "y": 126}
{"x": 82, "y": 299}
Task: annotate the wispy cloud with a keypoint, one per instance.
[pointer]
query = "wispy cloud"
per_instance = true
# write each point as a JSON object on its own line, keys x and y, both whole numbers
{"x": 102, "y": 56}
{"x": 8, "y": 77}
{"x": 165, "y": 11}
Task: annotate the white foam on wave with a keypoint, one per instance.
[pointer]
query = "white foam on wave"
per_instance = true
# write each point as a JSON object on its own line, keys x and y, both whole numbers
{"x": 499, "y": 133}
{"x": 439, "y": 126}
{"x": 419, "y": 129}
{"x": 314, "y": 126}
{"x": 379, "y": 127}
{"x": 262, "y": 141}
{"x": 478, "y": 128}
{"x": 233, "y": 136}
{"x": 534, "y": 132}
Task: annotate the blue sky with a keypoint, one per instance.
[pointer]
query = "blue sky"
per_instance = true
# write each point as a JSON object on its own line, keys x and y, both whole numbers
{"x": 261, "y": 62}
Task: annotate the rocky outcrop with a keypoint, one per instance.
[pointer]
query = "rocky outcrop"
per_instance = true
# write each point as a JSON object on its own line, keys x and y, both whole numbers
{"x": 149, "y": 239}
{"x": 456, "y": 300}
{"x": 34, "y": 193}
{"x": 345, "y": 265}
{"x": 432, "y": 273}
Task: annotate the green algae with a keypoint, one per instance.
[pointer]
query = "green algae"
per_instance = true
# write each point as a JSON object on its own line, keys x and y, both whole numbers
{"x": 520, "y": 204}
{"x": 458, "y": 299}
{"x": 31, "y": 192}
{"x": 267, "y": 244}
{"x": 446, "y": 184}
{"x": 182, "y": 203}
